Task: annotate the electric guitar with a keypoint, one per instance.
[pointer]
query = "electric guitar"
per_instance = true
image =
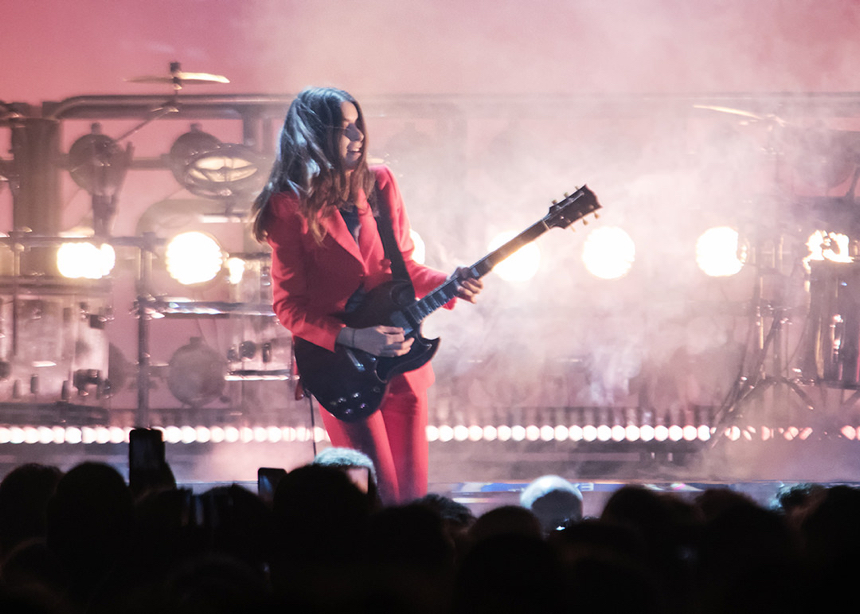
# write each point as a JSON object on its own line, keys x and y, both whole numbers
{"x": 351, "y": 383}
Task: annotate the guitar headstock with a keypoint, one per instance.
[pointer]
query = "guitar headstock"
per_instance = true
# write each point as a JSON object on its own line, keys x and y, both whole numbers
{"x": 574, "y": 207}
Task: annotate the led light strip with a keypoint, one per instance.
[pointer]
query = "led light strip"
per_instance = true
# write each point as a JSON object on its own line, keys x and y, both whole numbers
{"x": 442, "y": 433}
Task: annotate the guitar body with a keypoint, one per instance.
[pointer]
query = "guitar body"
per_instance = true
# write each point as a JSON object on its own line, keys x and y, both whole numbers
{"x": 350, "y": 383}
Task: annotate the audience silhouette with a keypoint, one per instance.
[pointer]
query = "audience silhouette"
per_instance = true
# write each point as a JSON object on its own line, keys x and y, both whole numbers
{"x": 86, "y": 542}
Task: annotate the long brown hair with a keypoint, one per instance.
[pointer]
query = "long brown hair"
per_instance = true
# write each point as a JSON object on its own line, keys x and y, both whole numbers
{"x": 308, "y": 162}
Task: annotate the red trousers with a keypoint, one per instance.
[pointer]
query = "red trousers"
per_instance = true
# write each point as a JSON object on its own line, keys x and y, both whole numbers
{"x": 395, "y": 438}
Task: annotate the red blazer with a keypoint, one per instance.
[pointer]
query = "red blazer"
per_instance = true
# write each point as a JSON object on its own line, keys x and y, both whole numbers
{"x": 312, "y": 282}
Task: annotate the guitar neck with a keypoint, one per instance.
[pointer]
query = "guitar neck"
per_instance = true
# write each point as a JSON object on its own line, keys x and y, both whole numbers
{"x": 561, "y": 215}
{"x": 443, "y": 294}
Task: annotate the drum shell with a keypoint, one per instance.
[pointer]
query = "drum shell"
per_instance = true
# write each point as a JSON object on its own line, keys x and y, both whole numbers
{"x": 833, "y": 332}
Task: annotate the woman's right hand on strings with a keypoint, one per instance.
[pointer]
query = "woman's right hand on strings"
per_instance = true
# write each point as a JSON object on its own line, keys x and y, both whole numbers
{"x": 385, "y": 341}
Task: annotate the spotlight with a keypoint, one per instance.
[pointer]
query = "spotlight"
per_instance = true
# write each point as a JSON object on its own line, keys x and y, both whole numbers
{"x": 186, "y": 147}
{"x": 831, "y": 246}
{"x": 193, "y": 258}
{"x": 235, "y": 270}
{"x": 608, "y": 253}
{"x": 209, "y": 168}
{"x": 99, "y": 165}
{"x": 84, "y": 260}
{"x": 717, "y": 252}
{"x": 522, "y": 265}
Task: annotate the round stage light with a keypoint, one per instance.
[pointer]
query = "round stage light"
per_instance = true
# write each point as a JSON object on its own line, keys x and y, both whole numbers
{"x": 522, "y": 265}
{"x": 193, "y": 258}
{"x": 717, "y": 252}
{"x": 589, "y": 432}
{"x": 446, "y": 433}
{"x": 84, "y": 260}
{"x": 604, "y": 432}
{"x": 608, "y": 253}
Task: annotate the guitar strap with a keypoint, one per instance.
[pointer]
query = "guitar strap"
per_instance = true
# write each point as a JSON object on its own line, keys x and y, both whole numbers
{"x": 389, "y": 244}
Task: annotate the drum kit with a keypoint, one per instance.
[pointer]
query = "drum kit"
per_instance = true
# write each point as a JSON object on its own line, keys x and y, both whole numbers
{"x": 55, "y": 350}
{"x": 819, "y": 238}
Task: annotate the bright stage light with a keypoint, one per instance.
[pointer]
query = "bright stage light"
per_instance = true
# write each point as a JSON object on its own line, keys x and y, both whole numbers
{"x": 632, "y": 432}
{"x": 830, "y": 246}
{"x": 172, "y": 434}
{"x": 85, "y": 261}
{"x": 604, "y": 432}
{"x": 193, "y": 258}
{"x": 522, "y": 265}
{"x": 717, "y": 252}
{"x": 608, "y": 252}
{"x": 235, "y": 270}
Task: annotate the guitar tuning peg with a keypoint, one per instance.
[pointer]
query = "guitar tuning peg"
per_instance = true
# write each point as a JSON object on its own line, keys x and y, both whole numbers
{"x": 585, "y": 222}
{"x": 555, "y": 202}
{"x": 566, "y": 194}
{"x": 596, "y": 216}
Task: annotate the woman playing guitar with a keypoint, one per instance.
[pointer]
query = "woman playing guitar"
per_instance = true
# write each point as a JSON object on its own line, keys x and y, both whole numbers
{"x": 319, "y": 213}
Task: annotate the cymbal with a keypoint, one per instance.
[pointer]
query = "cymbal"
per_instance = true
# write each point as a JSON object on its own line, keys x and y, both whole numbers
{"x": 742, "y": 113}
{"x": 178, "y": 77}
{"x": 183, "y": 77}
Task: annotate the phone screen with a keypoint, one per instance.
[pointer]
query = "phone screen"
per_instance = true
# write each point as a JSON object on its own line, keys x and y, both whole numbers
{"x": 146, "y": 450}
{"x": 267, "y": 482}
